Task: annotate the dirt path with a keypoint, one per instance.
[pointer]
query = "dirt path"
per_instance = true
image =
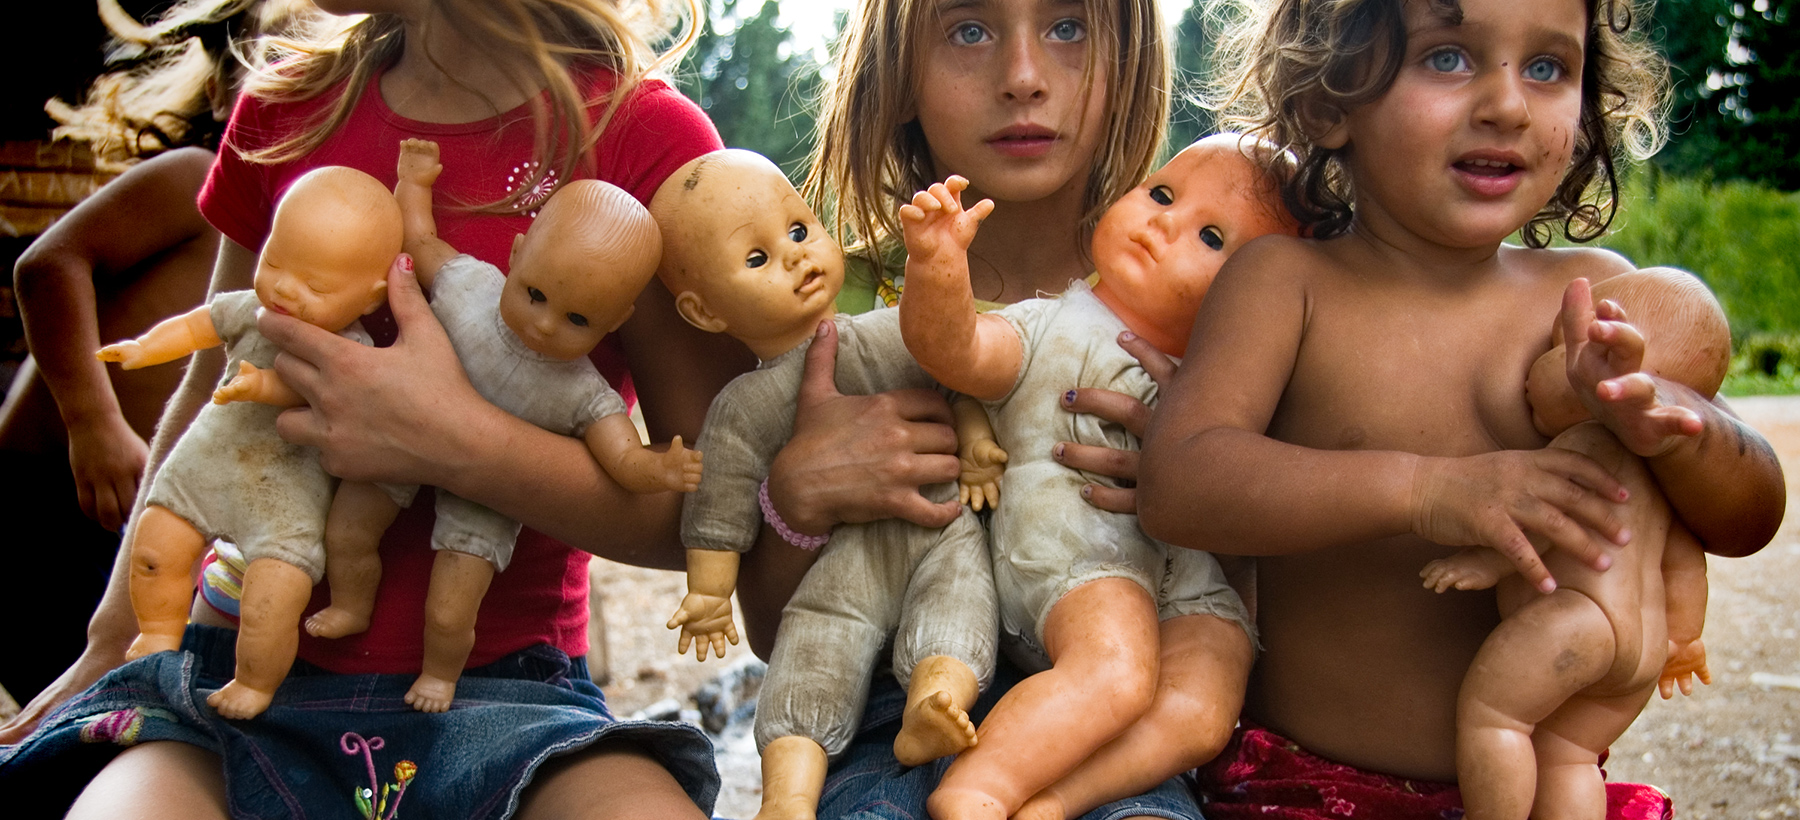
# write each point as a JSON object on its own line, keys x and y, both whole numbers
{"x": 1730, "y": 751}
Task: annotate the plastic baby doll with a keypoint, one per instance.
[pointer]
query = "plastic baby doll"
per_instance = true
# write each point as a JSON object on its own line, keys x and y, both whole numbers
{"x": 1636, "y": 623}
{"x": 747, "y": 257}
{"x": 334, "y": 235}
{"x": 523, "y": 340}
{"x": 1078, "y": 585}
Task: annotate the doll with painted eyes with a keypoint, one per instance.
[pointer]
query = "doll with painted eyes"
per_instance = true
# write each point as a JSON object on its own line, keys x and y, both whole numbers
{"x": 523, "y": 339}
{"x": 744, "y": 255}
{"x": 334, "y": 235}
{"x": 1653, "y": 598}
{"x": 1084, "y": 595}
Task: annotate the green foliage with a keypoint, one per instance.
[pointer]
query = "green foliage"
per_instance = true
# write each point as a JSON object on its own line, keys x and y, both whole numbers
{"x": 1737, "y": 236}
{"x": 756, "y": 88}
{"x": 1763, "y": 364}
{"x": 1195, "y": 36}
{"x": 1736, "y": 74}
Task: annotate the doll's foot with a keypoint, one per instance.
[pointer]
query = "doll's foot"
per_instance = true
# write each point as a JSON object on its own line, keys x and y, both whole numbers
{"x": 786, "y": 808}
{"x": 148, "y": 643}
{"x": 238, "y": 701}
{"x": 1451, "y": 573}
{"x": 431, "y": 694}
{"x": 1045, "y": 805}
{"x": 336, "y": 622}
{"x": 964, "y": 804}
{"x": 931, "y": 729}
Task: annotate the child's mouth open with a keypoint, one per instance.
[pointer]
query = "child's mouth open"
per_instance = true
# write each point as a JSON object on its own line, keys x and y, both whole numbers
{"x": 1489, "y": 175}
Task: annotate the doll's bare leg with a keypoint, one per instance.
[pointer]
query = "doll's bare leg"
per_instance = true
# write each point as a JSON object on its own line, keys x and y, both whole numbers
{"x": 936, "y": 723}
{"x": 1199, "y": 692}
{"x": 1569, "y": 744}
{"x": 275, "y": 593}
{"x": 1535, "y": 661}
{"x": 164, "y": 548}
{"x": 360, "y": 513}
{"x": 458, "y": 583}
{"x": 1102, "y": 642}
{"x": 793, "y": 773}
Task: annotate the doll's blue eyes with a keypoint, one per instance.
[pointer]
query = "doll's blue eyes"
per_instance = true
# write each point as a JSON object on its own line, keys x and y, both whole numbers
{"x": 797, "y": 232}
{"x": 1162, "y": 195}
{"x": 1211, "y": 237}
{"x": 535, "y": 294}
{"x": 756, "y": 259}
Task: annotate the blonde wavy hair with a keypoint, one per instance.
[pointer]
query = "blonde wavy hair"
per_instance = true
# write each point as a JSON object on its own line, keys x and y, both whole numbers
{"x": 541, "y": 43}
{"x": 165, "y": 72}
{"x": 1298, "y": 63}
{"x": 869, "y": 156}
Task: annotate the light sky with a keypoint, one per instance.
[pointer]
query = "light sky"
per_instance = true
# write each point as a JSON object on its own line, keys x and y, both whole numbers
{"x": 812, "y": 20}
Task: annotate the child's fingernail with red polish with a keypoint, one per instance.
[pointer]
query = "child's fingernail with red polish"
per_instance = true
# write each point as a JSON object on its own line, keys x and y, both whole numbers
{"x": 1069, "y": 397}
{"x": 406, "y": 263}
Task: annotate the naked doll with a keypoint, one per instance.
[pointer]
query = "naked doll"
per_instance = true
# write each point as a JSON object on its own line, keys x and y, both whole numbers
{"x": 1078, "y": 586}
{"x": 744, "y": 255}
{"x": 1643, "y": 617}
{"x": 574, "y": 277}
{"x": 335, "y": 233}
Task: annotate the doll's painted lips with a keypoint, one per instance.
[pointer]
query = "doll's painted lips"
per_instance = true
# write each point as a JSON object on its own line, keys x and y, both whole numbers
{"x": 814, "y": 280}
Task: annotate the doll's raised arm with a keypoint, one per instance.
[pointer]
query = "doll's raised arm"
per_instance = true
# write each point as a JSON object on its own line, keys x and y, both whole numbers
{"x": 980, "y": 457}
{"x": 418, "y": 170}
{"x": 615, "y": 444}
{"x": 974, "y": 354}
{"x": 1684, "y": 594}
{"x": 170, "y": 339}
{"x": 705, "y": 613}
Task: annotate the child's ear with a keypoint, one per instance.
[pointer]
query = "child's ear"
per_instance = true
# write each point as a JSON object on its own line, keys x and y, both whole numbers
{"x": 693, "y": 308}
{"x": 629, "y": 309}
{"x": 377, "y": 295}
{"x": 1325, "y": 124}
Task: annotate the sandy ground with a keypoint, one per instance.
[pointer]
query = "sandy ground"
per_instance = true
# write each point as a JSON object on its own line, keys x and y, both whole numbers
{"x": 1730, "y": 751}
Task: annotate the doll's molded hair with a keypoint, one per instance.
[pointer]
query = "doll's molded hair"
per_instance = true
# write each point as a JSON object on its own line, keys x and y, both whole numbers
{"x": 345, "y": 201}
{"x": 870, "y": 154}
{"x": 595, "y": 220}
{"x": 1295, "y": 66}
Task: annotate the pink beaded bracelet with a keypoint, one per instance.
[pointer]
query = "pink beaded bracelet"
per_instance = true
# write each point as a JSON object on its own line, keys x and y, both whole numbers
{"x": 805, "y": 542}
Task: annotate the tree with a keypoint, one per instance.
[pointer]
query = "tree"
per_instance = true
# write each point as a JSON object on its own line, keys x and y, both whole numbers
{"x": 1736, "y": 89}
{"x": 756, "y": 88}
{"x": 1195, "y": 35}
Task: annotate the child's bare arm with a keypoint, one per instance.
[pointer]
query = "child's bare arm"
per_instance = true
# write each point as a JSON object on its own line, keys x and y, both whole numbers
{"x": 256, "y": 384}
{"x": 1684, "y": 593}
{"x": 615, "y": 444}
{"x": 418, "y": 169}
{"x": 975, "y": 354}
{"x": 705, "y": 613}
{"x": 170, "y": 339}
{"x": 1206, "y": 452}
{"x": 981, "y": 458}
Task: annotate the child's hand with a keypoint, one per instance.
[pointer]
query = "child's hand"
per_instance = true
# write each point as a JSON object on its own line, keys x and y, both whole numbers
{"x": 979, "y": 481}
{"x": 1122, "y": 410}
{"x": 419, "y": 163}
{"x": 1686, "y": 662}
{"x": 935, "y": 222}
{"x": 1605, "y": 361}
{"x": 107, "y": 458}
{"x": 245, "y": 386}
{"x": 704, "y": 620}
{"x": 1494, "y": 499}
{"x": 128, "y": 354}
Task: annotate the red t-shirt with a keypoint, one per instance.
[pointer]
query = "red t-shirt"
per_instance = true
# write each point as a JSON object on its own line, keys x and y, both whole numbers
{"x": 542, "y": 596}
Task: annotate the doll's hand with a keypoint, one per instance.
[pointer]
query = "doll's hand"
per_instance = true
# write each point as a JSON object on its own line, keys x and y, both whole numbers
{"x": 419, "y": 163}
{"x": 704, "y": 620}
{"x": 107, "y": 458}
{"x": 1122, "y": 410}
{"x": 245, "y": 386}
{"x": 1474, "y": 568}
{"x": 854, "y": 459}
{"x": 935, "y": 222}
{"x": 403, "y": 414}
{"x": 680, "y": 470}
{"x": 1495, "y": 499}
{"x": 1605, "y": 364}
{"x": 1686, "y": 663}
{"x": 128, "y": 354}
{"x": 979, "y": 481}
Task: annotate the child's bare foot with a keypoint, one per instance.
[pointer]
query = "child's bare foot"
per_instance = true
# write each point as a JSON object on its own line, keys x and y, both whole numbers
{"x": 1045, "y": 805}
{"x": 237, "y": 701}
{"x": 964, "y": 804}
{"x": 148, "y": 643}
{"x": 431, "y": 694}
{"x": 931, "y": 729}
{"x": 336, "y": 622}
